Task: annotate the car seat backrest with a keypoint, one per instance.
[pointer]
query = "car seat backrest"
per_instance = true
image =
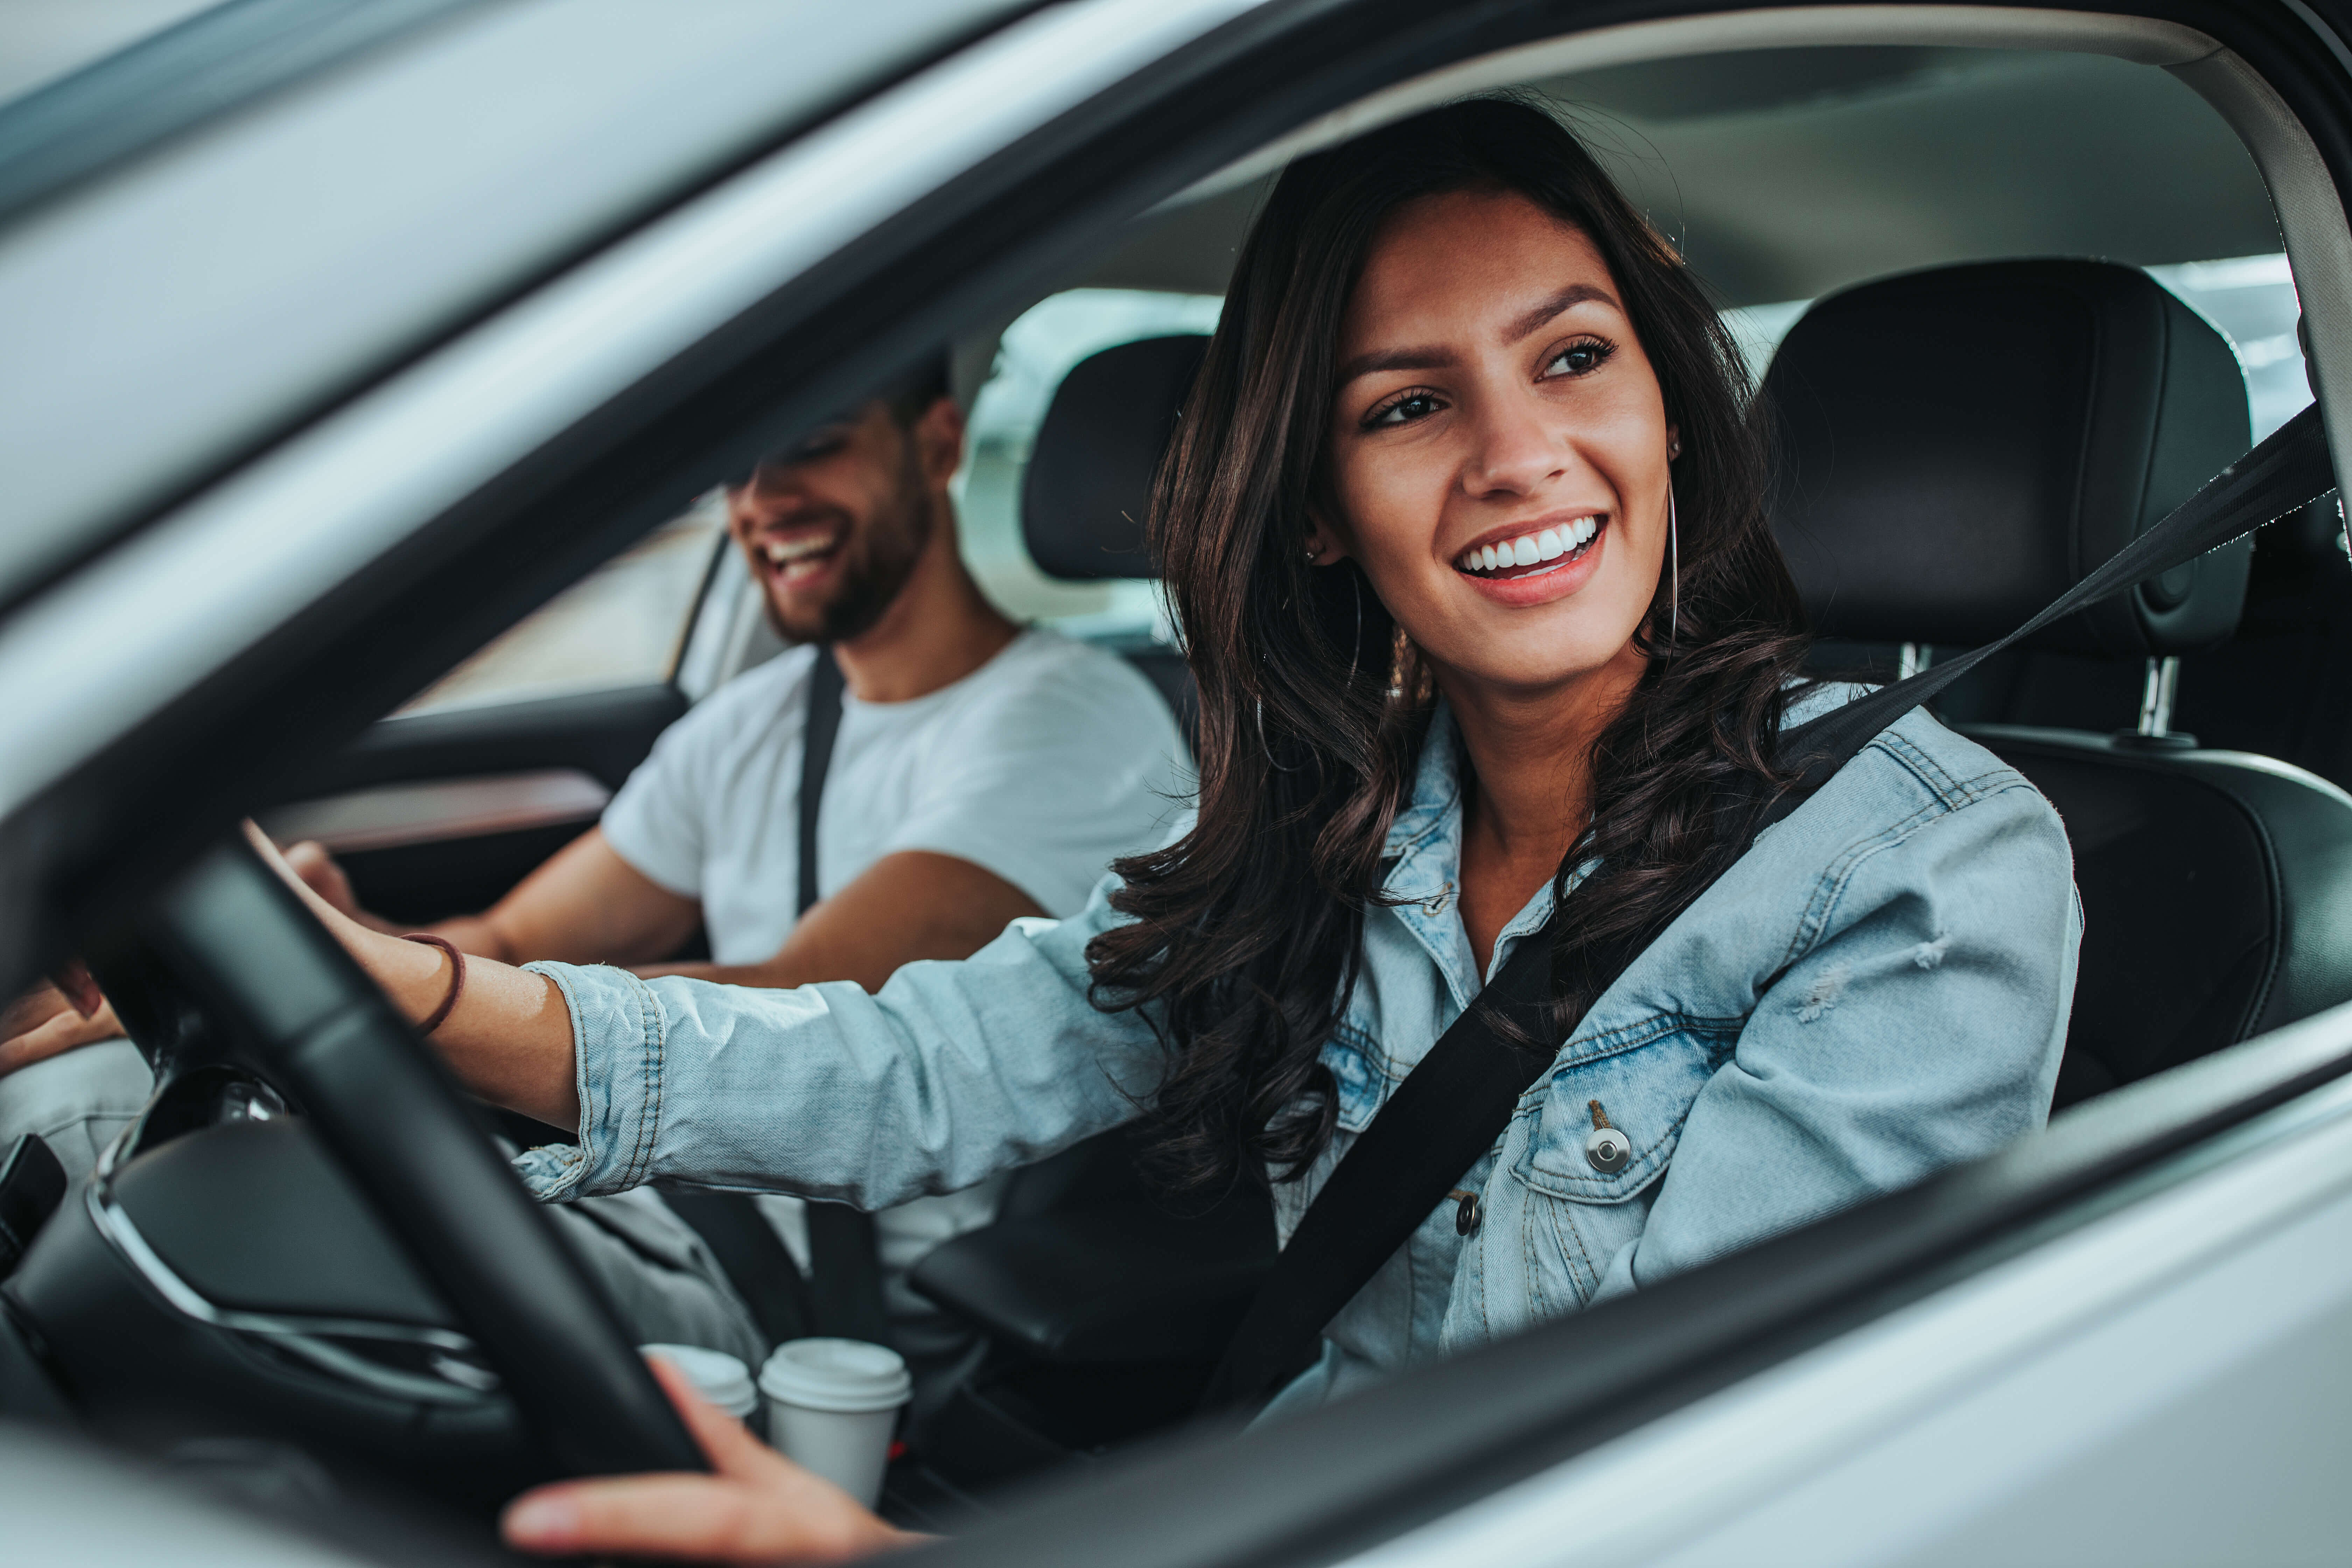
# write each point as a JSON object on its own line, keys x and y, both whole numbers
{"x": 1959, "y": 447}
{"x": 1088, "y": 485}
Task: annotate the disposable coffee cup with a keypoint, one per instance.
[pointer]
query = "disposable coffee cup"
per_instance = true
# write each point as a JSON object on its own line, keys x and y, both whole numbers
{"x": 832, "y": 1406}
{"x": 719, "y": 1377}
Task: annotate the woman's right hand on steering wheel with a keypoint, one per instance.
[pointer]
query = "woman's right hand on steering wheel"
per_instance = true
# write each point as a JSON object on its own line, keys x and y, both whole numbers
{"x": 47, "y": 1021}
{"x": 755, "y": 1506}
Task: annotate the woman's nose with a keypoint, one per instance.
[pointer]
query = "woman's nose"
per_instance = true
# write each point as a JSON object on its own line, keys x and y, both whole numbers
{"x": 1517, "y": 450}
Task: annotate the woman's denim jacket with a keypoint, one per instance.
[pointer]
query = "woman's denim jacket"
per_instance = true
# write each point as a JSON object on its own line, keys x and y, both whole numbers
{"x": 1879, "y": 988}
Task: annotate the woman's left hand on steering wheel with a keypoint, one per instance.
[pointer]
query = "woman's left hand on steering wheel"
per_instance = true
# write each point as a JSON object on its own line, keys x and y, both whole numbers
{"x": 756, "y": 1507}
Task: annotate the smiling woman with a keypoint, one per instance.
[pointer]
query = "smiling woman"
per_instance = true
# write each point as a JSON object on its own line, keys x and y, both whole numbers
{"x": 1509, "y": 348}
{"x": 1450, "y": 336}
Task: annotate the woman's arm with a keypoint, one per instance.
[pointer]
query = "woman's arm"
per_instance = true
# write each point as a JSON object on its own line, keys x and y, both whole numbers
{"x": 509, "y": 1039}
{"x": 1922, "y": 1030}
{"x": 952, "y": 1072}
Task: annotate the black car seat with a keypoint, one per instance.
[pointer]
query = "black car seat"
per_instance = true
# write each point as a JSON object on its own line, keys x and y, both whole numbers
{"x": 1956, "y": 448}
{"x": 1088, "y": 484}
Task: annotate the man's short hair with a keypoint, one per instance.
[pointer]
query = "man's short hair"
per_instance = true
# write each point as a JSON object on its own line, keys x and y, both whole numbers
{"x": 913, "y": 394}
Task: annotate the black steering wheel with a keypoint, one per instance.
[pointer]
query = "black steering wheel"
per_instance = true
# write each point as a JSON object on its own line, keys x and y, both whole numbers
{"x": 227, "y": 945}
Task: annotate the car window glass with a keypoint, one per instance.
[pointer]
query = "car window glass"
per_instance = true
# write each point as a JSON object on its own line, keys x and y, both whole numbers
{"x": 1036, "y": 352}
{"x": 624, "y": 625}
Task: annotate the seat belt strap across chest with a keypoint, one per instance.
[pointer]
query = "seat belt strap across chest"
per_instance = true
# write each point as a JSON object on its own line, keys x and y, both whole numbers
{"x": 1454, "y": 1105}
{"x": 842, "y": 1297}
{"x": 844, "y": 1263}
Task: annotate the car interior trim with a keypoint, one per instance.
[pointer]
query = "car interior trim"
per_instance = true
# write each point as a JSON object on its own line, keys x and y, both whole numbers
{"x": 2311, "y": 223}
{"x": 122, "y": 637}
{"x": 391, "y": 816}
{"x": 2141, "y": 39}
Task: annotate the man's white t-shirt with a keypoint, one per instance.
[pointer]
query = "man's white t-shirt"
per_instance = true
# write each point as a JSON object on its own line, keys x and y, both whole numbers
{"x": 1044, "y": 765}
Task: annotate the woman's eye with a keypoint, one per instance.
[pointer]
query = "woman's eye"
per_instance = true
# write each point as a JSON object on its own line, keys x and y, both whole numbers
{"x": 1578, "y": 359}
{"x": 1405, "y": 410}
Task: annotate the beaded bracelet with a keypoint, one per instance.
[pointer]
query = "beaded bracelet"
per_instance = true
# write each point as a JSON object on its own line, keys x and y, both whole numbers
{"x": 457, "y": 977}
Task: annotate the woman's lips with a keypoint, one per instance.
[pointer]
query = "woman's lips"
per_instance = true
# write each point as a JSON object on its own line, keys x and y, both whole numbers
{"x": 1535, "y": 552}
{"x": 1542, "y": 581}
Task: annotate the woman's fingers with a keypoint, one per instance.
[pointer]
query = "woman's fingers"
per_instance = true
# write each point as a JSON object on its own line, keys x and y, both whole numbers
{"x": 726, "y": 1442}
{"x": 73, "y": 982}
{"x": 760, "y": 1506}
{"x": 320, "y": 872}
{"x": 696, "y": 1518}
{"x": 60, "y": 1031}
{"x": 33, "y": 1009}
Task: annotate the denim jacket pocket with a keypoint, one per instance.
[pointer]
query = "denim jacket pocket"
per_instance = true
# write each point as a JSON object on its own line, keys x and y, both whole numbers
{"x": 1639, "y": 1080}
{"x": 1362, "y": 1075}
{"x": 1553, "y": 1227}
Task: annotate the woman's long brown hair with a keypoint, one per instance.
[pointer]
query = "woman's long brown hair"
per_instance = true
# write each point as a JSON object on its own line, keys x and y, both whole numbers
{"x": 1244, "y": 943}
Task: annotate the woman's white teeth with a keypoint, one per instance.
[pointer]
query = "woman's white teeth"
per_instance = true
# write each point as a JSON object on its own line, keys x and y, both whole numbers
{"x": 1549, "y": 544}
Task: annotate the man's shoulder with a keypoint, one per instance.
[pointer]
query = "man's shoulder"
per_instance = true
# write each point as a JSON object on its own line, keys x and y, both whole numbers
{"x": 765, "y": 685}
{"x": 759, "y": 702}
{"x": 1080, "y": 677}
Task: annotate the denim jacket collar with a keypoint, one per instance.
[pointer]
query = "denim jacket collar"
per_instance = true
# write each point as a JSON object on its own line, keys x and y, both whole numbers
{"x": 1424, "y": 848}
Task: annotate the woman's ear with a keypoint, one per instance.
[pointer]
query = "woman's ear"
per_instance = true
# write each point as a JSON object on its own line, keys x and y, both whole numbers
{"x": 1325, "y": 547}
{"x": 1674, "y": 442}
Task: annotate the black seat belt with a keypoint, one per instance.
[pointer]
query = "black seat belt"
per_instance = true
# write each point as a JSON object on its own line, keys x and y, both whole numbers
{"x": 1453, "y": 1106}
{"x": 845, "y": 1266}
{"x": 843, "y": 1295}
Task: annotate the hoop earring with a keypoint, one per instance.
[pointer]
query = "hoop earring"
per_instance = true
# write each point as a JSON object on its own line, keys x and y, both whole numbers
{"x": 1356, "y": 647}
{"x": 1674, "y": 570}
{"x": 1264, "y": 747}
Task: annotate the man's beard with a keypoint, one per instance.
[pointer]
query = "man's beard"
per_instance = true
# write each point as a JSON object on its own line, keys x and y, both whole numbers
{"x": 876, "y": 561}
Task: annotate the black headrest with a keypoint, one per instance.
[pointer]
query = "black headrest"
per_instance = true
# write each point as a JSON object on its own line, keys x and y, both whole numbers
{"x": 1090, "y": 482}
{"x": 1958, "y": 447}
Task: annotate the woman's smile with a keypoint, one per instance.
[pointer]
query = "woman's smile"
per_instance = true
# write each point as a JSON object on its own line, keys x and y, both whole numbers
{"x": 1538, "y": 561}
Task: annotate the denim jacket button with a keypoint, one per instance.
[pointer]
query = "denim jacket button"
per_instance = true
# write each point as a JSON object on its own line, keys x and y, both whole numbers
{"x": 1468, "y": 1212}
{"x": 1606, "y": 1150}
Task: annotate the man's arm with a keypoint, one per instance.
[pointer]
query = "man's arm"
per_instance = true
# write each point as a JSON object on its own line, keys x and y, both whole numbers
{"x": 913, "y": 904}
{"x": 583, "y": 905}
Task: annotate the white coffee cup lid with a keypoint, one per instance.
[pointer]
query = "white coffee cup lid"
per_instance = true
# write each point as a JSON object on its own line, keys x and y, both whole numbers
{"x": 719, "y": 1377}
{"x": 847, "y": 1376}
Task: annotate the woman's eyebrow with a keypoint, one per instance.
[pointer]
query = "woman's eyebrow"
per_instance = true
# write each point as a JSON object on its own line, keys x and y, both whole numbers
{"x": 1395, "y": 359}
{"x": 1574, "y": 294}
{"x": 1442, "y": 359}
